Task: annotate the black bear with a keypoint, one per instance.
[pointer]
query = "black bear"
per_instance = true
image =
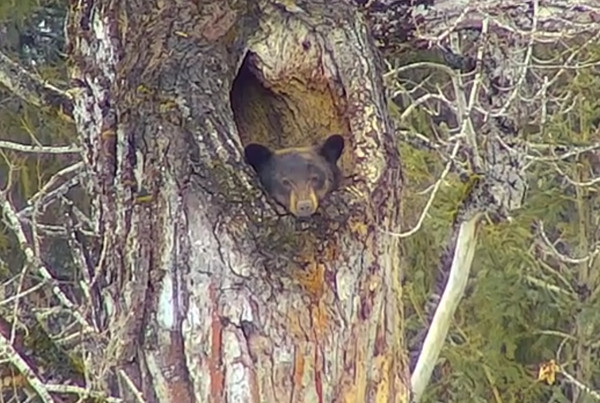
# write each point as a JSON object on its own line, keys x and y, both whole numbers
{"x": 298, "y": 178}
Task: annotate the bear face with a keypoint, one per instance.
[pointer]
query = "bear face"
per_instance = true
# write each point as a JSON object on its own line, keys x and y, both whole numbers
{"x": 298, "y": 178}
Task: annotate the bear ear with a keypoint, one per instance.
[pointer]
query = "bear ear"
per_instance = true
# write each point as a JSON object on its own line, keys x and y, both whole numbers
{"x": 257, "y": 155}
{"x": 332, "y": 148}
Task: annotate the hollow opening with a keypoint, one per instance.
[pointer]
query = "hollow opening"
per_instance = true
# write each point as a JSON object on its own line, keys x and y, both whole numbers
{"x": 289, "y": 109}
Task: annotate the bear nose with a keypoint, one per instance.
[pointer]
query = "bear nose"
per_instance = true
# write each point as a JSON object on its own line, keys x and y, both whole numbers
{"x": 305, "y": 208}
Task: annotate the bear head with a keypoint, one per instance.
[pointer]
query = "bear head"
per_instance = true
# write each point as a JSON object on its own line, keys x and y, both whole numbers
{"x": 298, "y": 178}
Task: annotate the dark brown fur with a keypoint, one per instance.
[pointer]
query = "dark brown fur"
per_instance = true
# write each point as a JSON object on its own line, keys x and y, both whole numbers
{"x": 298, "y": 178}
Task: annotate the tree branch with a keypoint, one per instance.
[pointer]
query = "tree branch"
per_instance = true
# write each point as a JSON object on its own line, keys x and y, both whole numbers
{"x": 6, "y": 349}
{"x": 393, "y": 23}
{"x": 13, "y": 223}
{"x": 31, "y": 148}
{"x": 32, "y": 88}
{"x": 464, "y": 251}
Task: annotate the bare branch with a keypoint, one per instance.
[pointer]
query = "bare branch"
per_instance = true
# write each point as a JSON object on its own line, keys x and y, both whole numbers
{"x": 580, "y": 386}
{"x": 45, "y": 195}
{"x": 592, "y": 182}
{"x": 81, "y": 392}
{"x": 464, "y": 251}
{"x": 136, "y": 392}
{"x": 34, "y": 261}
{"x": 20, "y": 294}
{"x": 32, "y": 88}
{"x": 30, "y": 148}
{"x": 556, "y": 19}
{"x": 568, "y": 152}
{"x": 6, "y": 349}
{"x": 436, "y": 187}
{"x": 560, "y": 256}
{"x": 467, "y": 128}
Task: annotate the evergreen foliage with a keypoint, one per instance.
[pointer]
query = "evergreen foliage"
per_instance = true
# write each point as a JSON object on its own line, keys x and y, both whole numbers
{"x": 523, "y": 306}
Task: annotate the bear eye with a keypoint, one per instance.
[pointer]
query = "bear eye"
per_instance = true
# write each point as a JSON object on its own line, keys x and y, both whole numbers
{"x": 286, "y": 183}
{"x": 316, "y": 181}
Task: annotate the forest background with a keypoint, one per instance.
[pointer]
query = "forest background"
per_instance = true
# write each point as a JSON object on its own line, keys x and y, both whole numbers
{"x": 534, "y": 291}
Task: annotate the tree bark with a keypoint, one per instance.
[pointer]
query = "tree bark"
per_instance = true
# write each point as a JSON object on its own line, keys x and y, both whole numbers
{"x": 207, "y": 292}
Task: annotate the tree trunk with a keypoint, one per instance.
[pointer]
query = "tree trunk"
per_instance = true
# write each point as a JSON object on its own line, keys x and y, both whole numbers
{"x": 207, "y": 292}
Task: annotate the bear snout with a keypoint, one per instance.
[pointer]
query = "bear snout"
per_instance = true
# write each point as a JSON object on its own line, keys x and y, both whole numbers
{"x": 305, "y": 208}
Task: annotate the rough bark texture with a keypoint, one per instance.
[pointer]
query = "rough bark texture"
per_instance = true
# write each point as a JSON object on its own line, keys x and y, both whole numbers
{"x": 209, "y": 293}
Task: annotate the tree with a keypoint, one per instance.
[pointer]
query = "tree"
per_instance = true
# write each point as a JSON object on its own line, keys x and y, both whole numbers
{"x": 224, "y": 297}
{"x": 201, "y": 287}
{"x": 195, "y": 285}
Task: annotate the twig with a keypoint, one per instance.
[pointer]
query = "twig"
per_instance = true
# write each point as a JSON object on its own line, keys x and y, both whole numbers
{"x": 22, "y": 294}
{"x": 560, "y": 256}
{"x": 32, "y": 88}
{"x": 136, "y": 392}
{"x": 436, "y": 187}
{"x": 31, "y": 148}
{"x": 589, "y": 183}
{"x": 579, "y": 385}
{"x": 45, "y": 189}
{"x": 6, "y": 349}
{"x": 81, "y": 392}
{"x": 547, "y": 286}
{"x": 573, "y": 152}
{"x": 556, "y": 333}
{"x": 34, "y": 261}
{"x": 421, "y": 100}
{"x": 13, "y": 330}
